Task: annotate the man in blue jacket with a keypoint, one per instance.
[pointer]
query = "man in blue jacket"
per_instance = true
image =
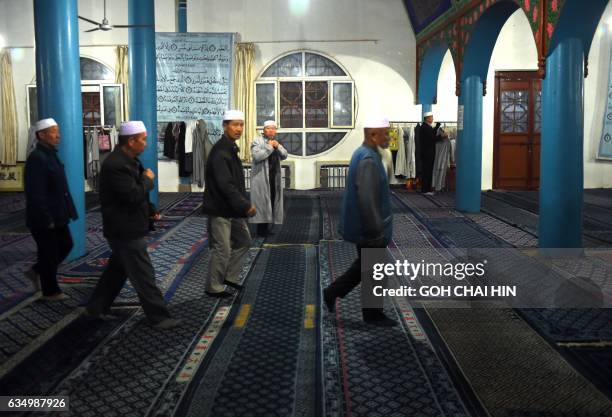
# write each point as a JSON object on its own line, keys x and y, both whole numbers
{"x": 227, "y": 205}
{"x": 366, "y": 219}
{"x": 49, "y": 209}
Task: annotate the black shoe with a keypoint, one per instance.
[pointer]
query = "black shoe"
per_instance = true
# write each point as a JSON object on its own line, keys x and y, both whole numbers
{"x": 233, "y": 285}
{"x": 379, "y": 319}
{"x": 222, "y": 294}
{"x": 330, "y": 301}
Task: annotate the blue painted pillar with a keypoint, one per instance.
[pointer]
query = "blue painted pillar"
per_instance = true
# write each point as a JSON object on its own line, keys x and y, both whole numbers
{"x": 58, "y": 85}
{"x": 469, "y": 147}
{"x": 561, "y": 166}
{"x": 182, "y": 28}
{"x": 182, "y": 17}
{"x": 142, "y": 79}
{"x": 425, "y": 108}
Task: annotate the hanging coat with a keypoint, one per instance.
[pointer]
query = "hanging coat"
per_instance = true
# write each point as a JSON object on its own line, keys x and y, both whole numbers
{"x": 260, "y": 183}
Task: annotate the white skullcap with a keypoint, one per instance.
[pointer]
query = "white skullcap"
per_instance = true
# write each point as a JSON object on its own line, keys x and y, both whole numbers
{"x": 269, "y": 123}
{"x": 132, "y": 128}
{"x": 376, "y": 122}
{"x": 233, "y": 115}
{"x": 427, "y": 114}
{"x": 44, "y": 124}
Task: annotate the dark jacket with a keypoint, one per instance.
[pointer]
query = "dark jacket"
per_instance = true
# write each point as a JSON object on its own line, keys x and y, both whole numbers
{"x": 48, "y": 200}
{"x": 225, "y": 194}
{"x": 366, "y": 205}
{"x": 428, "y": 138}
{"x": 124, "y": 197}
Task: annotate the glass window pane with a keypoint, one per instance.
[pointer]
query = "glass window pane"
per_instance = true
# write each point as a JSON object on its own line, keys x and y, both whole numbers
{"x": 514, "y": 111}
{"x": 288, "y": 66}
{"x": 265, "y": 103}
{"x": 317, "y": 104}
{"x": 319, "y": 66}
{"x": 91, "y": 109}
{"x": 291, "y": 141}
{"x": 112, "y": 105}
{"x": 317, "y": 142}
{"x": 291, "y": 106}
{"x": 33, "y": 104}
{"x": 94, "y": 70}
{"x": 343, "y": 104}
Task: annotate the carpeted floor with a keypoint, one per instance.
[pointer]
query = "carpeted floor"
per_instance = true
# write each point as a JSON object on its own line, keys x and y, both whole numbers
{"x": 273, "y": 350}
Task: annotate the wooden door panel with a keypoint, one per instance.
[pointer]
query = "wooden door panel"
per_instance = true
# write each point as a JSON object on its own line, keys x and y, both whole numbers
{"x": 516, "y": 152}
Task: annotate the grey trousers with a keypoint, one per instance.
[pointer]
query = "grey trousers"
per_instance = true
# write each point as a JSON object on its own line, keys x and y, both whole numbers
{"x": 129, "y": 259}
{"x": 229, "y": 241}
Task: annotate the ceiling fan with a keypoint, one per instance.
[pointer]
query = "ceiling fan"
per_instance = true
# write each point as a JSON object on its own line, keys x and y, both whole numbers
{"x": 105, "y": 26}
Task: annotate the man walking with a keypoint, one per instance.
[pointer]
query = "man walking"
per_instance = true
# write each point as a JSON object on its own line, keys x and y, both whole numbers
{"x": 227, "y": 205}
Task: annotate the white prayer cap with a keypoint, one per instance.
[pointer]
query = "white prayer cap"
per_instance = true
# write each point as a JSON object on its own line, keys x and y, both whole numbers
{"x": 233, "y": 115}
{"x": 269, "y": 123}
{"x": 132, "y": 128}
{"x": 44, "y": 124}
{"x": 376, "y": 122}
{"x": 427, "y": 114}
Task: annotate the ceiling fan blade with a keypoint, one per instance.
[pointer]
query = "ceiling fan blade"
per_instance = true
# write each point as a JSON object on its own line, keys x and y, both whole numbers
{"x": 92, "y": 30}
{"x": 133, "y": 26}
{"x": 89, "y": 20}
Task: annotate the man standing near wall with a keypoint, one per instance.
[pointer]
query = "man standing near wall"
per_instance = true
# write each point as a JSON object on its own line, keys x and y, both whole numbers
{"x": 266, "y": 179}
{"x": 227, "y": 205}
{"x": 49, "y": 209}
{"x": 428, "y": 152}
{"x": 366, "y": 220}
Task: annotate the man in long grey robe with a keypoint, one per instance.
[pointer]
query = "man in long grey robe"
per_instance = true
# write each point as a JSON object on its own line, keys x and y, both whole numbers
{"x": 266, "y": 179}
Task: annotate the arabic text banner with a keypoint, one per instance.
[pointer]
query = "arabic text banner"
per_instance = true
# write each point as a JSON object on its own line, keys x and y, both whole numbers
{"x": 194, "y": 77}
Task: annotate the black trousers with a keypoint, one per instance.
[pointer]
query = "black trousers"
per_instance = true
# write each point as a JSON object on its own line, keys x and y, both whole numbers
{"x": 427, "y": 172}
{"x": 351, "y": 278}
{"x": 53, "y": 245}
{"x": 264, "y": 228}
{"x": 129, "y": 259}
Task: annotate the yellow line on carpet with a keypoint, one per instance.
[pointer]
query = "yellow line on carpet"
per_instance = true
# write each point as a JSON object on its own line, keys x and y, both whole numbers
{"x": 309, "y": 317}
{"x": 242, "y": 317}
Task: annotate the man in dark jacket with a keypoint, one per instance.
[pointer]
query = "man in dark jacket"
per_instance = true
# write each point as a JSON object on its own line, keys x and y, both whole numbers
{"x": 126, "y": 212}
{"x": 428, "y": 140}
{"x": 227, "y": 205}
{"x": 49, "y": 209}
{"x": 366, "y": 221}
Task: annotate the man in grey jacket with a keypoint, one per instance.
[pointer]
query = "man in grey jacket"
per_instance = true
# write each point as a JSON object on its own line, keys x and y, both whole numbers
{"x": 266, "y": 179}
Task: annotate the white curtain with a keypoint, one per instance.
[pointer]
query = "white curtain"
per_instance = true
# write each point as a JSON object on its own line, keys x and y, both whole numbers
{"x": 122, "y": 76}
{"x": 244, "y": 94}
{"x": 8, "y": 108}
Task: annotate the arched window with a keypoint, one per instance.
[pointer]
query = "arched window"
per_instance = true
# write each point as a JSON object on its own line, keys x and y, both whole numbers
{"x": 94, "y": 70}
{"x": 311, "y": 98}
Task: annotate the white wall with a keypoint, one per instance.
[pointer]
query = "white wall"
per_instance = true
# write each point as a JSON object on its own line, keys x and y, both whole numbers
{"x": 17, "y": 28}
{"x": 515, "y": 49}
{"x": 384, "y": 72}
{"x": 446, "y": 109}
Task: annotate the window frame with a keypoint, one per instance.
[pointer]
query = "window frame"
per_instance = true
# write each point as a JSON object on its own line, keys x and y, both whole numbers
{"x": 330, "y": 80}
{"x": 88, "y": 86}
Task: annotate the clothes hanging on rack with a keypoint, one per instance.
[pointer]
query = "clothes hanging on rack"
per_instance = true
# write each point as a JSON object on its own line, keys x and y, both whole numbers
{"x": 410, "y": 153}
{"x": 441, "y": 161}
{"x": 401, "y": 166}
{"x": 201, "y": 149}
